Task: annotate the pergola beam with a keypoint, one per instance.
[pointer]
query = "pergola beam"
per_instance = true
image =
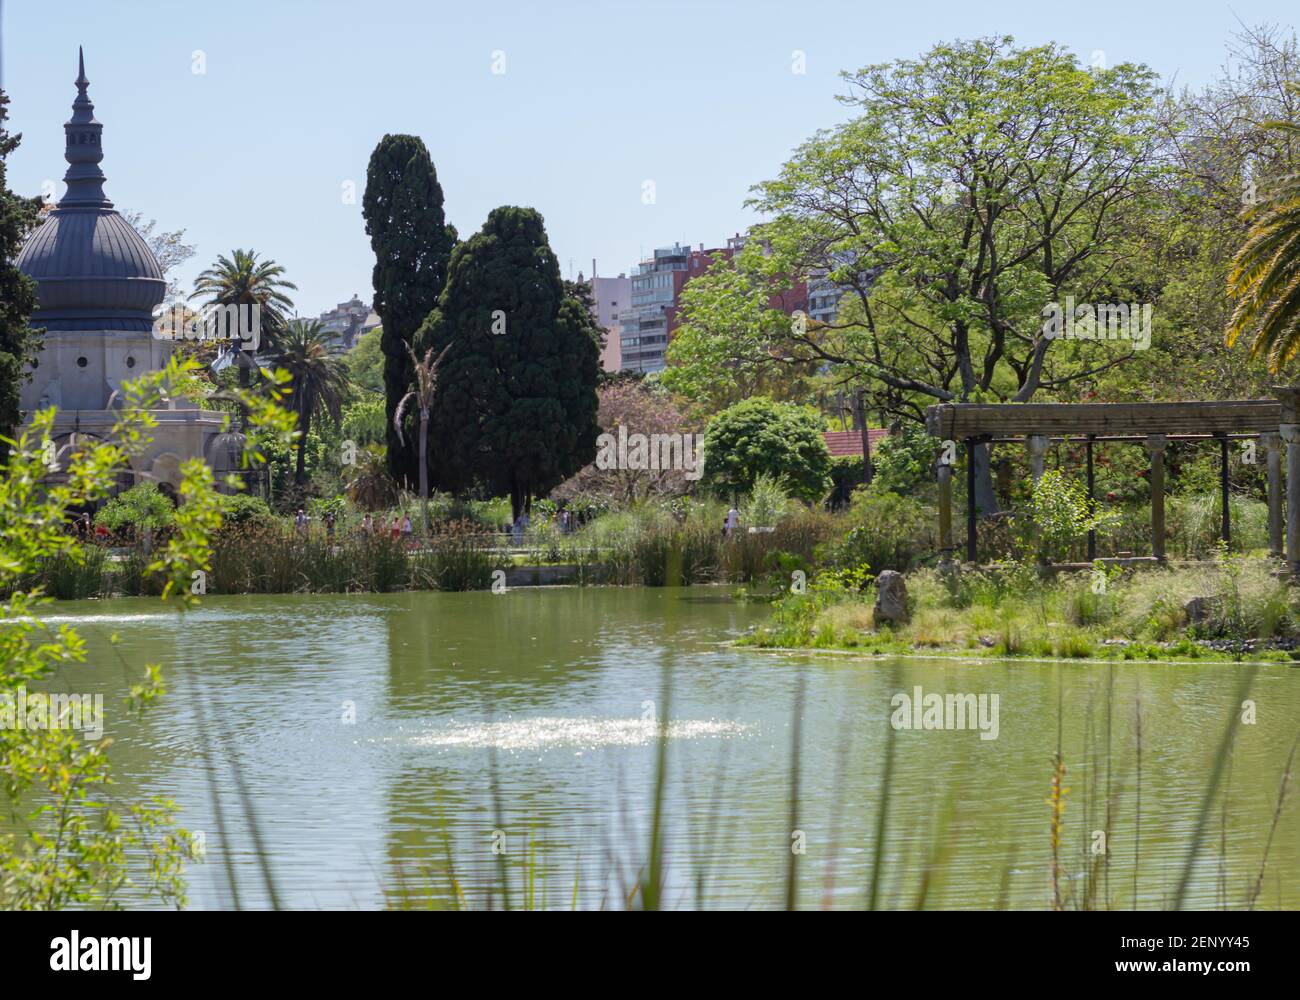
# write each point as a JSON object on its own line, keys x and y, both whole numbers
{"x": 958, "y": 421}
{"x": 1276, "y": 422}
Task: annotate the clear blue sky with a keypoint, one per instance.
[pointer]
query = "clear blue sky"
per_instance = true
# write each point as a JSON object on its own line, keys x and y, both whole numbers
{"x": 597, "y": 97}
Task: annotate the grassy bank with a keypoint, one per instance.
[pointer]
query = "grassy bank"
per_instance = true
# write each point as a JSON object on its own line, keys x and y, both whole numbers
{"x": 1233, "y": 608}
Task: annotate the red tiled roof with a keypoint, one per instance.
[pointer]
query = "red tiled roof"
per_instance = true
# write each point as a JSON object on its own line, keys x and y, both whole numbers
{"x": 843, "y": 443}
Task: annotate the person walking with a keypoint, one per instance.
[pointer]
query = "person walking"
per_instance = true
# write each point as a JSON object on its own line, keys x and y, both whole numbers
{"x": 731, "y": 523}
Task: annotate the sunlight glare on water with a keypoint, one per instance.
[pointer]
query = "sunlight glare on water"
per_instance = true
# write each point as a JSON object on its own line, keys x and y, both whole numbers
{"x": 582, "y": 734}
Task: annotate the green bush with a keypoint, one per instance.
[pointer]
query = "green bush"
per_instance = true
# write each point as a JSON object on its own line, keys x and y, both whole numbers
{"x": 1062, "y": 514}
{"x": 143, "y": 505}
{"x": 903, "y": 462}
{"x": 758, "y": 437}
{"x": 766, "y": 503}
{"x": 887, "y": 531}
{"x": 239, "y": 509}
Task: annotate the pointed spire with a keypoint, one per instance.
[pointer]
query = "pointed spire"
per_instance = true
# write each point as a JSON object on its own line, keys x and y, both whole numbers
{"x": 84, "y": 149}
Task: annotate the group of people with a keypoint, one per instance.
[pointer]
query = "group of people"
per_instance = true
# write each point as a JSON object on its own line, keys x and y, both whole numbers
{"x": 371, "y": 527}
{"x": 517, "y": 528}
{"x": 85, "y": 529}
{"x": 397, "y": 527}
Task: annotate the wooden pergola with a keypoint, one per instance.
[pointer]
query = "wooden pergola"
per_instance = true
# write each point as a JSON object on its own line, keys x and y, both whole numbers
{"x": 1273, "y": 422}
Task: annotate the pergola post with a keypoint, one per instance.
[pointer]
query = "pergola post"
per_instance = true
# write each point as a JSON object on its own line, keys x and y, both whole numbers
{"x": 1272, "y": 443}
{"x": 1290, "y": 434}
{"x": 1224, "y": 496}
{"x": 945, "y": 512}
{"x": 1092, "y": 488}
{"x": 1289, "y": 431}
{"x": 1036, "y": 444}
{"x": 970, "y": 499}
{"x": 1156, "y": 449}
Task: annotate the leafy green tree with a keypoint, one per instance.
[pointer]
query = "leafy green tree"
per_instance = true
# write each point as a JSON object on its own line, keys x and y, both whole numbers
{"x": 733, "y": 343}
{"x": 17, "y": 292}
{"x": 243, "y": 279}
{"x": 904, "y": 461}
{"x": 412, "y": 242}
{"x": 972, "y": 187}
{"x": 1265, "y": 278}
{"x": 759, "y": 437}
{"x": 363, "y": 420}
{"x": 366, "y": 361}
{"x": 516, "y": 406}
{"x": 1180, "y": 253}
{"x": 318, "y": 381}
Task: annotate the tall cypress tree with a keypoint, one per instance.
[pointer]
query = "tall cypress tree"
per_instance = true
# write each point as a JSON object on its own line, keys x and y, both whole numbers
{"x": 18, "y": 343}
{"x": 516, "y": 407}
{"x": 412, "y": 244}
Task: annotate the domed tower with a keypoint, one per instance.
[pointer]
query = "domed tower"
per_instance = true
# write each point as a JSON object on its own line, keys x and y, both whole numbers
{"x": 98, "y": 284}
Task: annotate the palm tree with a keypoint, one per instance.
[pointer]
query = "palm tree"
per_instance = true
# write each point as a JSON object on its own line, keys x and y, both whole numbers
{"x": 426, "y": 389}
{"x": 243, "y": 280}
{"x": 369, "y": 485}
{"x": 1265, "y": 276}
{"x": 318, "y": 377}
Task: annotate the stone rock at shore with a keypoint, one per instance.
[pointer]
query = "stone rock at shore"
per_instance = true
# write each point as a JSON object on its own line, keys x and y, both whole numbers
{"x": 1198, "y": 609}
{"x": 891, "y": 599}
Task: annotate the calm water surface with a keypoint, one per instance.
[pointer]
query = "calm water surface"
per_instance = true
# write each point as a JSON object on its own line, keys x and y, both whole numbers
{"x": 555, "y": 691}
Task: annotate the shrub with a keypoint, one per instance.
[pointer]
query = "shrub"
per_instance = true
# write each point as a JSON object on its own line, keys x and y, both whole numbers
{"x": 904, "y": 461}
{"x": 887, "y": 531}
{"x": 759, "y": 436}
{"x": 240, "y": 509}
{"x": 143, "y": 505}
{"x": 1062, "y": 514}
{"x": 766, "y": 503}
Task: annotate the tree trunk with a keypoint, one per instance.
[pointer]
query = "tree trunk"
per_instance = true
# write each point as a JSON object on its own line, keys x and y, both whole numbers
{"x": 860, "y": 424}
{"x": 424, "y": 465}
{"x": 304, "y": 421}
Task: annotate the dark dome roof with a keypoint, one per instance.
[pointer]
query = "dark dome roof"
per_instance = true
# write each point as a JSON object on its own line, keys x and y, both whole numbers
{"x": 93, "y": 270}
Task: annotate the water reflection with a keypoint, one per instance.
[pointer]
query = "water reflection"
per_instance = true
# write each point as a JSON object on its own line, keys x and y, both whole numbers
{"x": 372, "y": 732}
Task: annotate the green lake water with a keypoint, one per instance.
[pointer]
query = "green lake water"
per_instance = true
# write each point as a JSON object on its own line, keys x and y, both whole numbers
{"x": 555, "y": 691}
